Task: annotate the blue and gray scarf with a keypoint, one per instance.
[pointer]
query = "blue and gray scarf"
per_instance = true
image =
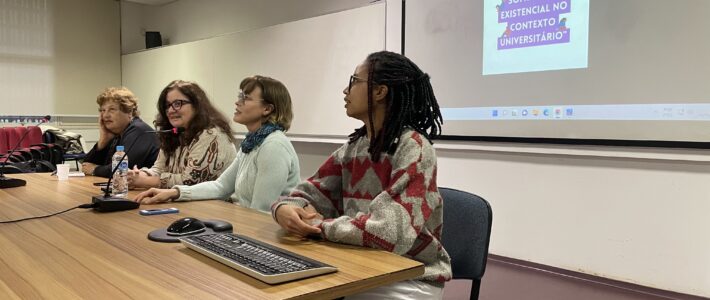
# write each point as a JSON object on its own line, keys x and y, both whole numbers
{"x": 254, "y": 139}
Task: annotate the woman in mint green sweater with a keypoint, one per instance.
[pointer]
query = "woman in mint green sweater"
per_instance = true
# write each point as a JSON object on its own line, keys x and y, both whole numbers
{"x": 266, "y": 165}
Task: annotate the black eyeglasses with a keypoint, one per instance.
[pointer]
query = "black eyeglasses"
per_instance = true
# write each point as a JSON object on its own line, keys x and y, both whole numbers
{"x": 177, "y": 104}
{"x": 353, "y": 80}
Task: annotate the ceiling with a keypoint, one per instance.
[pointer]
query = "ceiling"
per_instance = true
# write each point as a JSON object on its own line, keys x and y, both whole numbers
{"x": 151, "y": 2}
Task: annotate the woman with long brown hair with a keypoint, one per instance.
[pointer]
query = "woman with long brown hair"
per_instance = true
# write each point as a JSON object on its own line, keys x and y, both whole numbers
{"x": 202, "y": 150}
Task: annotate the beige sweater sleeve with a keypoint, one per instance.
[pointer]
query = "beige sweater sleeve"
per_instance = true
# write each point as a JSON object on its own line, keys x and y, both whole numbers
{"x": 203, "y": 160}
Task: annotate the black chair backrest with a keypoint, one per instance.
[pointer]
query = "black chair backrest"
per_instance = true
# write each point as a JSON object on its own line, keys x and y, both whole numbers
{"x": 466, "y": 235}
{"x": 49, "y": 137}
{"x": 12, "y": 169}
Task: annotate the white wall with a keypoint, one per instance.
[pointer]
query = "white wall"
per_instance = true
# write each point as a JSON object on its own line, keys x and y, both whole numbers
{"x": 190, "y": 20}
{"x": 56, "y": 56}
{"x": 635, "y": 215}
{"x": 630, "y": 219}
{"x": 133, "y": 25}
{"x": 292, "y": 52}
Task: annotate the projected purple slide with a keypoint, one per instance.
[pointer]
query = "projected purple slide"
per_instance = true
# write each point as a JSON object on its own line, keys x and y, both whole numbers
{"x": 533, "y": 23}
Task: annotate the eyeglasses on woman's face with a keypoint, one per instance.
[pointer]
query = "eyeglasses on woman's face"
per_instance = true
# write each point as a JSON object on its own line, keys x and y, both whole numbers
{"x": 177, "y": 104}
{"x": 353, "y": 80}
{"x": 243, "y": 98}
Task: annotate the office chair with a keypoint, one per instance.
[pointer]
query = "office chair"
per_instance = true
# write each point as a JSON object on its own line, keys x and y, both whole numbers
{"x": 76, "y": 157}
{"x": 11, "y": 169}
{"x": 52, "y": 138}
{"x": 51, "y": 152}
{"x": 14, "y": 134}
{"x": 3, "y": 146}
{"x": 466, "y": 235}
{"x": 6, "y": 146}
{"x": 34, "y": 157}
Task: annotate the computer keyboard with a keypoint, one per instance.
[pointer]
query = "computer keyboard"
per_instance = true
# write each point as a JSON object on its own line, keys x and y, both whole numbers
{"x": 262, "y": 261}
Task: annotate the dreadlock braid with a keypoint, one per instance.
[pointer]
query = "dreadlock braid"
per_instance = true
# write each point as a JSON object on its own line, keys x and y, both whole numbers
{"x": 370, "y": 112}
{"x": 410, "y": 102}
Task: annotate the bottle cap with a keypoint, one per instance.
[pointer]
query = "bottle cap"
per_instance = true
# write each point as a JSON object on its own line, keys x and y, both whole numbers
{"x": 119, "y": 148}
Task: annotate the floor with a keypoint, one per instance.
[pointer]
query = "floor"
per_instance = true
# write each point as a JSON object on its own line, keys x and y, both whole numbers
{"x": 505, "y": 280}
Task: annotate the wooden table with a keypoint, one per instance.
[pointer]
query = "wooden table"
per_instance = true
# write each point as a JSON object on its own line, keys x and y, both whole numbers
{"x": 85, "y": 254}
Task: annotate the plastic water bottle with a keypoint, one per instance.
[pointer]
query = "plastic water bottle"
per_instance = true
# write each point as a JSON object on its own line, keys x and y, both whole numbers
{"x": 119, "y": 182}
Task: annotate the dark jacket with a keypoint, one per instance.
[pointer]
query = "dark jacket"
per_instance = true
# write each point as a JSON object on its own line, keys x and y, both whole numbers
{"x": 142, "y": 148}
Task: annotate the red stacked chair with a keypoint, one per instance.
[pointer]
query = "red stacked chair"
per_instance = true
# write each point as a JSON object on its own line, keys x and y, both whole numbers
{"x": 32, "y": 154}
{"x": 5, "y": 147}
{"x": 13, "y": 137}
{"x": 21, "y": 131}
{"x": 35, "y": 135}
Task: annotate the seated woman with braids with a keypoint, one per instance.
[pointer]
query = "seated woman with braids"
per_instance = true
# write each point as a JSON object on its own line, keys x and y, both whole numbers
{"x": 266, "y": 165}
{"x": 200, "y": 153}
{"x": 379, "y": 189}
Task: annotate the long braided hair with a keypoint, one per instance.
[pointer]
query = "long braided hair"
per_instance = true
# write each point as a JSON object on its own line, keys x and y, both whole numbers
{"x": 410, "y": 102}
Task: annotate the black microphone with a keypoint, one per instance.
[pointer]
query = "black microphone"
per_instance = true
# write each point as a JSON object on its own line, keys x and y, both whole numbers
{"x": 174, "y": 130}
{"x": 106, "y": 203}
{"x": 7, "y": 182}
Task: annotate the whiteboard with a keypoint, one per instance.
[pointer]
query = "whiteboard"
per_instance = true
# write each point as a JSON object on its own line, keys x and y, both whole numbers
{"x": 313, "y": 57}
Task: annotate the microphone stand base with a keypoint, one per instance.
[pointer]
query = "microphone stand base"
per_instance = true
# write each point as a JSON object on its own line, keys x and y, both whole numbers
{"x": 7, "y": 182}
{"x": 108, "y": 204}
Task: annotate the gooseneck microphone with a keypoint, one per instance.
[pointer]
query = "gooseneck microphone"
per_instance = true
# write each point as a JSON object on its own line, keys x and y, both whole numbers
{"x": 106, "y": 203}
{"x": 174, "y": 130}
{"x": 7, "y": 182}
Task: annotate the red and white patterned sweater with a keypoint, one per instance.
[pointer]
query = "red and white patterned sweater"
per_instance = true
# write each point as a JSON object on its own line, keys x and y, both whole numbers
{"x": 393, "y": 204}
